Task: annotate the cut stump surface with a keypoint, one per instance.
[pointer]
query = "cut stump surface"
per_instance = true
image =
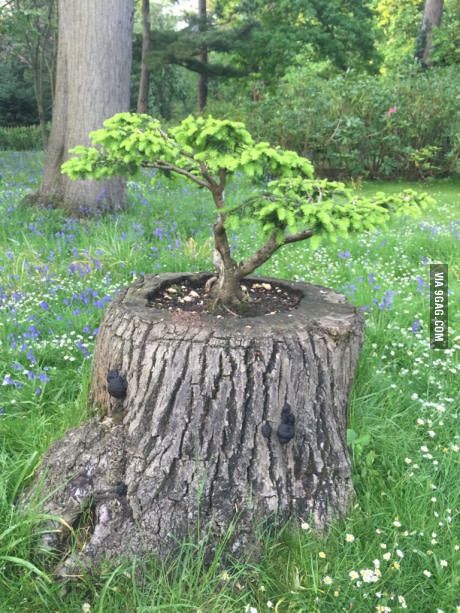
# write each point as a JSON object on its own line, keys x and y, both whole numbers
{"x": 224, "y": 420}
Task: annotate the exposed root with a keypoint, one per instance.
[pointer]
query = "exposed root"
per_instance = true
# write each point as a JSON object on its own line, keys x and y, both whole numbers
{"x": 209, "y": 284}
{"x": 229, "y": 311}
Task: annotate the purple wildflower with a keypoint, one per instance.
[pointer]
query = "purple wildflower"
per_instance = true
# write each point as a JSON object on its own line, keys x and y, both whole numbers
{"x": 387, "y": 300}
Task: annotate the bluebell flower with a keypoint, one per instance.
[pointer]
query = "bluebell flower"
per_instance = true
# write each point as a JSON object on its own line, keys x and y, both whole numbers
{"x": 387, "y": 300}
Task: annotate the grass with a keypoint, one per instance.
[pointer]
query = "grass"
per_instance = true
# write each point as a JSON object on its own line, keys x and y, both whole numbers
{"x": 399, "y": 547}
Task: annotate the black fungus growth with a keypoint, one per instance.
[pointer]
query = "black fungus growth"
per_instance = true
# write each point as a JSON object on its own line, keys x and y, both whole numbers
{"x": 285, "y": 433}
{"x": 116, "y": 384}
{"x": 121, "y": 489}
{"x": 266, "y": 430}
{"x": 286, "y": 429}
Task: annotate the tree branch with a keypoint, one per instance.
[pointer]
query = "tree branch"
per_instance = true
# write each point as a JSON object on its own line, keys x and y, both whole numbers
{"x": 300, "y": 236}
{"x": 180, "y": 171}
{"x": 268, "y": 249}
{"x": 206, "y": 174}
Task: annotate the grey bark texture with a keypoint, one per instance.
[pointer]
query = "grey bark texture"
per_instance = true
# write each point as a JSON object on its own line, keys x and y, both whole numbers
{"x": 92, "y": 84}
{"x": 144, "y": 81}
{"x": 432, "y": 16}
{"x": 195, "y": 447}
{"x": 203, "y": 77}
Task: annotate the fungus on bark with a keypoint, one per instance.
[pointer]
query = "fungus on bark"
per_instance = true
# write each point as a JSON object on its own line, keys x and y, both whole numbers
{"x": 116, "y": 384}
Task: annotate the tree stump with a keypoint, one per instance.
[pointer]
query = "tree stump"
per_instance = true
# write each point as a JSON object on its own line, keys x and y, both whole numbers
{"x": 226, "y": 422}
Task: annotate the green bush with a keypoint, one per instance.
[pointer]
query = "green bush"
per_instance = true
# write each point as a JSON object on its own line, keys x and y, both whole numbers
{"x": 405, "y": 126}
{"x": 18, "y": 106}
{"x": 21, "y": 138}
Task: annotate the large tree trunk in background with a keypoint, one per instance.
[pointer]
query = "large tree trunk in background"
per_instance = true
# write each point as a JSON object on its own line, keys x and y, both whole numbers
{"x": 144, "y": 83}
{"x": 195, "y": 444}
{"x": 432, "y": 15}
{"x": 92, "y": 83}
{"x": 203, "y": 77}
{"x": 37, "y": 76}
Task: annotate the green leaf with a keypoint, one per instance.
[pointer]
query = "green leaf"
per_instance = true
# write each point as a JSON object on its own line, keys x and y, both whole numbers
{"x": 315, "y": 241}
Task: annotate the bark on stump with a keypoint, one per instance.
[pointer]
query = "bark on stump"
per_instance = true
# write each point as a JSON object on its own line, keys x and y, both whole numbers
{"x": 190, "y": 445}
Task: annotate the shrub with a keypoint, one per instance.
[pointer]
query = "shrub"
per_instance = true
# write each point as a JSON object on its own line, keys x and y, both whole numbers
{"x": 21, "y": 138}
{"x": 394, "y": 126}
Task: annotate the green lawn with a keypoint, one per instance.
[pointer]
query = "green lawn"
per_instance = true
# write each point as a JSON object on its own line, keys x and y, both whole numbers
{"x": 400, "y": 545}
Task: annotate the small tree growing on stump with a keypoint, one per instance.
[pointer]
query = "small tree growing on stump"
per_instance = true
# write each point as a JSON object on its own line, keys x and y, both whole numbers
{"x": 213, "y": 425}
{"x": 291, "y": 207}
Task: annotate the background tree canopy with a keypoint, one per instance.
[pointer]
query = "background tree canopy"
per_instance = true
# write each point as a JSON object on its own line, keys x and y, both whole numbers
{"x": 317, "y": 77}
{"x": 342, "y": 32}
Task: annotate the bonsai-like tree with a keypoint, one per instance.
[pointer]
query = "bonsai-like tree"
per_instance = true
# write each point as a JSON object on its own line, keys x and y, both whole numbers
{"x": 287, "y": 201}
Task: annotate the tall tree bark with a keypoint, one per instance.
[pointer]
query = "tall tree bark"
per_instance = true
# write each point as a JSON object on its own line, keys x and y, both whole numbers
{"x": 432, "y": 15}
{"x": 144, "y": 83}
{"x": 37, "y": 75}
{"x": 92, "y": 83}
{"x": 225, "y": 423}
{"x": 203, "y": 77}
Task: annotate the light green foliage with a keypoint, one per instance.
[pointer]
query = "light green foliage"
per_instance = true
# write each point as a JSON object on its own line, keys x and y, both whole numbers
{"x": 129, "y": 141}
{"x": 327, "y": 208}
{"x": 208, "y": 151}
{"x": 399, "y": 23}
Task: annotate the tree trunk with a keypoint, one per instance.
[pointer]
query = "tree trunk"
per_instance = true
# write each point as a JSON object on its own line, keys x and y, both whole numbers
{"x": 198, "y": 441}
{"x": 432, "y": 15}
{"x": 144, "y": 83}
{"x": 203, "y": 77}
{"x": 37, "y": 76}
{"x": 92, "y": 83}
